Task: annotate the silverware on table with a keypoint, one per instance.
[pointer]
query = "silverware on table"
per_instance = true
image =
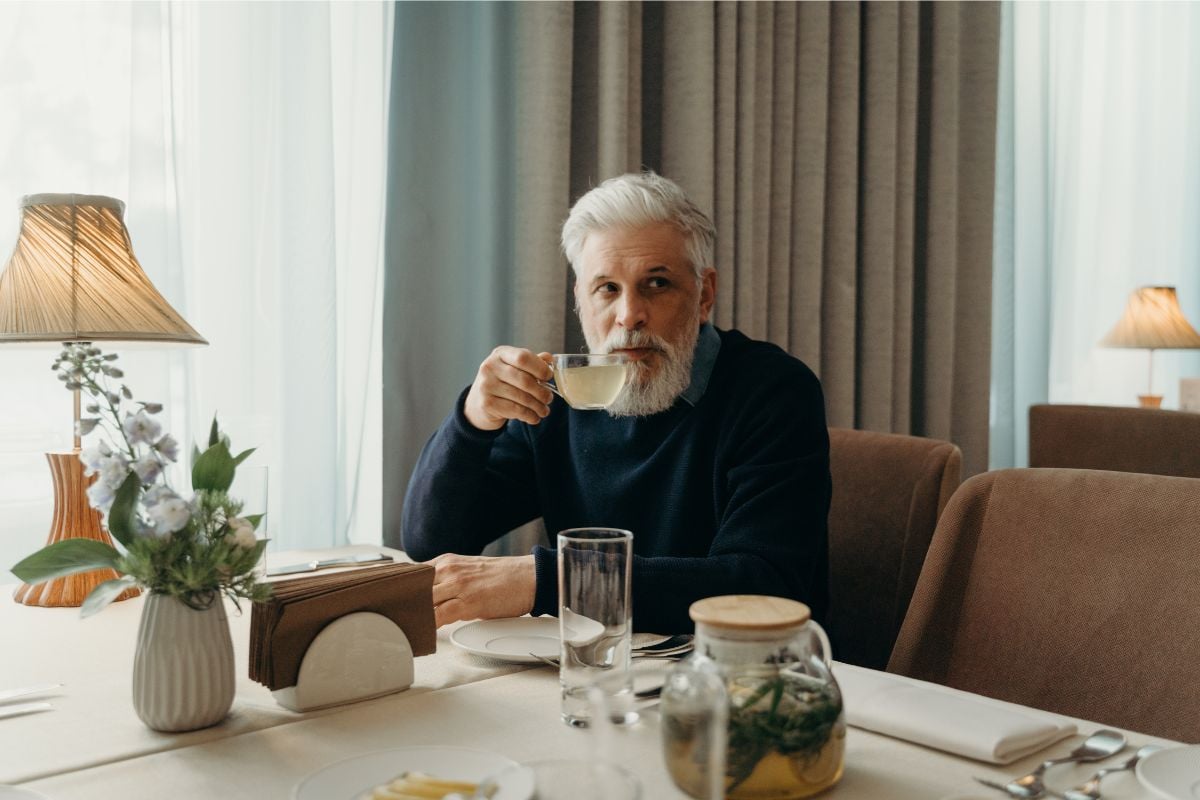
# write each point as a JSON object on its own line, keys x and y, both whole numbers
{"x": 1090, "y": 790}
{"x": 346, "y": 561}
{"x": 1099, "y": 745}
{"x": 9, "y": 694}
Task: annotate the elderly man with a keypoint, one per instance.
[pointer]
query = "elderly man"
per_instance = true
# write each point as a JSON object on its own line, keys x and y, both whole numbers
{"x": 715, "y": 454}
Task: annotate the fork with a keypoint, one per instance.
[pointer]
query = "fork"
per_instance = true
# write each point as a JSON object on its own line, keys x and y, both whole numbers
{"x": 1091, "y": 789}
{"x": 1099, "y": 745}
{"x": 641, "y": 694}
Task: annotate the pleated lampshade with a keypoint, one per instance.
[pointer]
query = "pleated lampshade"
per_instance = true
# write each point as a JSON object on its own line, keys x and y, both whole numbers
{"x": 1153, "y": 320}
{"x": 73, "y": 278}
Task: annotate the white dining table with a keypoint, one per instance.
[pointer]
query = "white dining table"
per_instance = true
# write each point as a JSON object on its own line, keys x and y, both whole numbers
{"x": 93, "y": 746}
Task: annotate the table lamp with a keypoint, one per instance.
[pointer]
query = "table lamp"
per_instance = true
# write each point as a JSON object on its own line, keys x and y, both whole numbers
{"x": 1153, "y": 320}
{"x": 73, "y": 278}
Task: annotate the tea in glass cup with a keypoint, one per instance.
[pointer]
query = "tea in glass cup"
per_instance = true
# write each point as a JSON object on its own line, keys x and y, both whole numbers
{"x": 589, "y": 381}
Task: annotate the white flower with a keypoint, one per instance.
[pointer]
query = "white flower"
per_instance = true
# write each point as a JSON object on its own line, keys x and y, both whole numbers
{"x": 156, "y": 494}
{"x": 113, "y": 471}
{"x": 100, "y": 495}
{"x": 242, "y": 533}
{"x": 168, "y": 447}
{"x": 92, "y": 456}
{"x": 147, "y": 468}
{"x": 169, "y": 515}
{"x": 141, "y": 428}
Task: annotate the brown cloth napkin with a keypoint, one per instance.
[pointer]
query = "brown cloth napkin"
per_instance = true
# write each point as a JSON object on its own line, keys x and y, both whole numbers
{"x": 282, "y": 627}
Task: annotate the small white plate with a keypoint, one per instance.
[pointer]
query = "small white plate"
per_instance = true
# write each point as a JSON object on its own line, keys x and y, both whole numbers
{"x": 511, "y": 639}
{"x": 514, "y": 639}
{"x": 1173, "y": 773}
{"x": 351, "y": 778}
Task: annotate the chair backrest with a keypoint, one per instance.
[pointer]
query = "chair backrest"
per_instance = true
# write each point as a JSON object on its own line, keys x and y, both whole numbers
{"x": 888, "y": 490}
{"x": 1119, "y": 439}
{"x": 1074, "y": 591}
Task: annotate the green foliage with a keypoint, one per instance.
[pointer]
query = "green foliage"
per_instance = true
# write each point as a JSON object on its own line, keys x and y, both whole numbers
{"x": 122, "y": 517}
{"x": 66, "y": 558}
{"x": 194, "y": 551}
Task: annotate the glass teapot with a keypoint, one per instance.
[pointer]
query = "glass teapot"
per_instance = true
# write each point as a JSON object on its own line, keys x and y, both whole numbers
{"x": 754, "y": 713}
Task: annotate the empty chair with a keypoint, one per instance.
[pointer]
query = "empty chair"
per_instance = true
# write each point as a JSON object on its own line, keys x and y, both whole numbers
{"x": 1121, "y": 439}
{"x": 888, "y": 490}
{"x": 1074, "y": 591}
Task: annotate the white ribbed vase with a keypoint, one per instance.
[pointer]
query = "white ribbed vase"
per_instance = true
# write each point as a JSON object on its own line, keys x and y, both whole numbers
{"x": 183, "y": 668}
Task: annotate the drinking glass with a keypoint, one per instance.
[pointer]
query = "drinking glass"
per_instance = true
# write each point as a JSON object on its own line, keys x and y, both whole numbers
{"x": 588, "y": 381}
{"x": 569, "y": 779}
{"x": 595, "y": 622}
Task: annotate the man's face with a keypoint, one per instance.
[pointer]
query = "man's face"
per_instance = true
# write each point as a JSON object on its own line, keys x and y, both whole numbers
{"x": 637, "y": 294}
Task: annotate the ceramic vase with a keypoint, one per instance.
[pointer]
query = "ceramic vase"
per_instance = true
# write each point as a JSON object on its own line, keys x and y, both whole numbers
{"x": 183, "y": 668}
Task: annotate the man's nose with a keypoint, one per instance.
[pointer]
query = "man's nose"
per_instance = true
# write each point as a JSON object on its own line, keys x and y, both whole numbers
{"x": 632, "y": 312}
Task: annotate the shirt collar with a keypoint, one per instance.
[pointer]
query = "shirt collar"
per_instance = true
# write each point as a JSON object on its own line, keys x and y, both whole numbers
{"x": 708, "y": 344}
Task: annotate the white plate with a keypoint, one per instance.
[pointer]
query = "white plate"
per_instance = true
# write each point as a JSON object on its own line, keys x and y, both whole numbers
{"x": 350, "y": 778}
{"x": 512, "y": 639}
{"x": 1173, "y": 773}
{"x": 519, "y": 639}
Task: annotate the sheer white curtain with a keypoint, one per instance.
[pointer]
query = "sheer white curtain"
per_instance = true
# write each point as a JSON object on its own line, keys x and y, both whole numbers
{"x": 1098, "y": 192}
{"x": 248, "y": 141}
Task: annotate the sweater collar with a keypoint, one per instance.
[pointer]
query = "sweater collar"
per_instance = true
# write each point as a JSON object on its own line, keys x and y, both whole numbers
{"x": 708, "y": 345}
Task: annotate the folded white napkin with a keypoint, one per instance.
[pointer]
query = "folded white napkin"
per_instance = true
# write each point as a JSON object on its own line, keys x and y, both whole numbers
{"x": 946, "y": 719}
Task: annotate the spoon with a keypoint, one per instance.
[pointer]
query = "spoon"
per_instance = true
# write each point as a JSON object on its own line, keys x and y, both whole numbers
{"x": 1099, "y": 745}
{"x": 1091, "y": 789}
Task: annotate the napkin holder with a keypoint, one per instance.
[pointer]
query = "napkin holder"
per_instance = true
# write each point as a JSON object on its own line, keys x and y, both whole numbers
{"x": 355, "y": 657}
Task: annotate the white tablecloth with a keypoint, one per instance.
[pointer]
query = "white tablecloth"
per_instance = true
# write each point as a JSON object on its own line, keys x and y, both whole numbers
{"x": 518, "y": 716}
{"x": 94, "y": 722}
{"x": 93, "y": 745}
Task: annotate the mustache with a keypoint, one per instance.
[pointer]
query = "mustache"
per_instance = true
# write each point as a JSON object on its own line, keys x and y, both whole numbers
{"x": 620, "y": 340}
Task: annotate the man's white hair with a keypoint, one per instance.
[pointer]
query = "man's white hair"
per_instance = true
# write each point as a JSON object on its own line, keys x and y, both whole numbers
{"x": 635, "y": 200}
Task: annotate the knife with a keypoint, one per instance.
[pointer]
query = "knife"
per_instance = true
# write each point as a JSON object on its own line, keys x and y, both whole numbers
{"x": 9, "y": 694}
{"x": 24, "y": 708}
{"x": 313, "y": 566}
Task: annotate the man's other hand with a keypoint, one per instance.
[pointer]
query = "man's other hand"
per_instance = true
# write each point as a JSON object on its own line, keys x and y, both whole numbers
{"x": 482, "y": 587}
{"x": 507, "y": 387}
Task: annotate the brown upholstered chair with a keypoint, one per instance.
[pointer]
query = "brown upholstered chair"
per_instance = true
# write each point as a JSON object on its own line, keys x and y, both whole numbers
{"x": 1127, "y": 439}
{"x": 1074, "y": 591}
{"x": 888, "y": 491}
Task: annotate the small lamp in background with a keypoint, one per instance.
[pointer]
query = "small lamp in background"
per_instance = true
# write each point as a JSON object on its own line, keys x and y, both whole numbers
{"x": 1153, "y": 320}
{"x": 73, "y": 278}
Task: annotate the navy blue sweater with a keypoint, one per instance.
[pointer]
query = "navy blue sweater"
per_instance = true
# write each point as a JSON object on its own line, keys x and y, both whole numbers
{"x": 730, "y": 496}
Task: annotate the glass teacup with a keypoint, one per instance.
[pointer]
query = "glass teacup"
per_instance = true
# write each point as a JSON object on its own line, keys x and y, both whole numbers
{"x": 588, "y": 381}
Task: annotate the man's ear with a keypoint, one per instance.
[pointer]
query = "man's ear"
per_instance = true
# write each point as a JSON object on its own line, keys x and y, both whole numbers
{"x": 708, "y": 293}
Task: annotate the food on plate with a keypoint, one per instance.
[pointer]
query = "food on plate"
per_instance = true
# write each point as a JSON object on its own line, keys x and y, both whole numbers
{"x": 420, "y": 786}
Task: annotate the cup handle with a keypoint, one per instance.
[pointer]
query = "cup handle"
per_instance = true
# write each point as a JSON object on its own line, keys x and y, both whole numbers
{"x": 551, "y": 387}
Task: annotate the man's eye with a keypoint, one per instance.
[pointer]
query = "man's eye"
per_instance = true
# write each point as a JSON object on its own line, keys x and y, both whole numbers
{"x": 659, "y": 283}
{"x": 606, "y": 288}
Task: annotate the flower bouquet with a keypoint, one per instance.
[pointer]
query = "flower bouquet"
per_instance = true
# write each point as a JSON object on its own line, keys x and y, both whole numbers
{"x": 192, "y": 550}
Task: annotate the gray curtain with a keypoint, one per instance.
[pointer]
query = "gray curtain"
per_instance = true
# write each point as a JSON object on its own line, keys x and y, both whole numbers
{"x": 844, "y": 150}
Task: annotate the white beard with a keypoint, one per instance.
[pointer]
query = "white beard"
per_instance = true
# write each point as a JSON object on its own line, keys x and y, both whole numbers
{"x": 645, "y": 394}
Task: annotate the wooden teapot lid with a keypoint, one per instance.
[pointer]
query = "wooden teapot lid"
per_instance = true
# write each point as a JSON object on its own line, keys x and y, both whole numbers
{"x": 749, "y": 612}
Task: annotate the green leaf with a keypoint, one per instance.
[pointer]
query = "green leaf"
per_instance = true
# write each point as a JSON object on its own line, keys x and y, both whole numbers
{"x": 104, "y": 594}
{"x": 214, "y": 469}
{"x": 242, "y": 456}
{"x": 122, "y": 517}
{"x": 195, "y": 453}
{"x": 214, "y": 435}
{"x": 254, "y": 519}
{"x": 66, "y": 558}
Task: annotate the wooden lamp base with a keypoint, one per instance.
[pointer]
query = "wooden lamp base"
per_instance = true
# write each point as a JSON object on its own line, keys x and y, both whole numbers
{"x": 73, "y": 519}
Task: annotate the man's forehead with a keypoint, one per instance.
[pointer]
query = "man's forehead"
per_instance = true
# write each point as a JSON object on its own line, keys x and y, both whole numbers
{"x": 654, "y": 248}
